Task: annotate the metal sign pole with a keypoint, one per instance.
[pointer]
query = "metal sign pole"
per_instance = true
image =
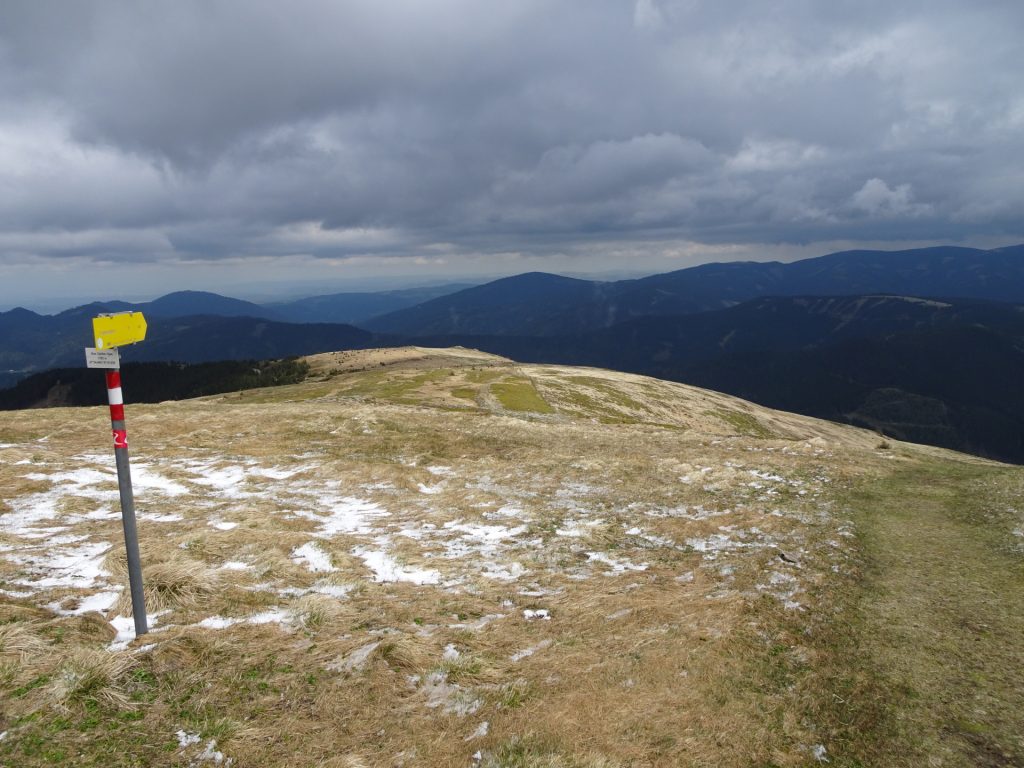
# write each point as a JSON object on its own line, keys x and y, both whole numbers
{"x": 111, "y": 331}
{"x": 124, "y": 486}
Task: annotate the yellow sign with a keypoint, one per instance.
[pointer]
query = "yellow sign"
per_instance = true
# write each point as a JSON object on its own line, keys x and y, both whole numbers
{"x": 119, "y": 329}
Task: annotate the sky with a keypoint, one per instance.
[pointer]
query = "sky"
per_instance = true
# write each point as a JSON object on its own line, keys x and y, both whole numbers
{"x": 260, "y": 148}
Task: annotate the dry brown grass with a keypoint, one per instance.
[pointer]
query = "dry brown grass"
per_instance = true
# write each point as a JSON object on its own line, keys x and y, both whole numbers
{"x": 88, "y": 673}
{"x": 172, "y": 579}
{"x": 648, "y": 520}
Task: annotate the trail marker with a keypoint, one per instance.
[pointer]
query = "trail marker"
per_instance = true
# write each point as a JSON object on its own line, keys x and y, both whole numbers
{"x": 118, "y": 329}
{"x": 110, "y": 332}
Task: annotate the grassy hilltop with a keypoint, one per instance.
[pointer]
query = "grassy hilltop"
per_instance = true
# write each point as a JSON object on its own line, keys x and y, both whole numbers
{"x": 444, "y": 558}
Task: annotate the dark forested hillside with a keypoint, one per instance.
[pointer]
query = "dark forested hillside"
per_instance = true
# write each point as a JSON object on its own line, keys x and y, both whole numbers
{"x": 150, "y": 382}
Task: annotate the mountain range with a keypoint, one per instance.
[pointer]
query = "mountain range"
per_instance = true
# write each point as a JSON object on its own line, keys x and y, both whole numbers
{"x": 542, "y": 304}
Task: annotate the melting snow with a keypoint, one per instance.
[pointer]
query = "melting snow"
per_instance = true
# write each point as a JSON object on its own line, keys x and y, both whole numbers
{"x": 144, "y": 478}
{"x": 344, "y": 515}
{"x": 576, "y": 529}
{"x": 454, "y": 700}
{"x": 125, "y": 628}
{"x": 386, "y": 568}
{"x": 271, "y": 616}
{"x": 357, "y": 659}
{"x": 526, "y": 652}
{"x": 187, "y": 739}
{"x": 617, "y": 566}
{"x": 101, "y": 601}
{"x": 332, "y": 590}
{"x": 315, "y": 558}
{"x": 78, "y": 567}
{"x": 509, "y": 572}
{"x": 227, "y": 481}
{"x": 279, "y": 473}
{"x": 476, "y": 538}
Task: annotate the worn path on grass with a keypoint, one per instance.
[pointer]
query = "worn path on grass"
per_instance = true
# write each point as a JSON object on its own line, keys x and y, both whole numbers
{"x": 943, "y": 611}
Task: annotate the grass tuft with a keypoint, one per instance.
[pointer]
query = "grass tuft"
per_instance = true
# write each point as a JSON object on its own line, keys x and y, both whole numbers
{"x": 89, "y": 674}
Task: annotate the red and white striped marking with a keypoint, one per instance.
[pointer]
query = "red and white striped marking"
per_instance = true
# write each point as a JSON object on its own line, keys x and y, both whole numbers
{"x": 116, "y": 400}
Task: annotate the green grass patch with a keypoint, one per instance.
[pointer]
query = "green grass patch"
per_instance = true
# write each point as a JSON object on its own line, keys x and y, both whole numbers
{"x": 521, "y": 396}
{"x": 465, "y": 393}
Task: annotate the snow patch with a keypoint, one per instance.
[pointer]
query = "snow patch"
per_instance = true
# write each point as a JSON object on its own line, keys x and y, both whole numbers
{"x": 272, "y": 616}
{"x": 617, "y": 566}
{"x": 101, "y": 602}
{"x": 344, "y": 514}
{"x": 453, "y": 698}
{"x": 314, "y": 557}
{"x": 527, "y": 652}
{"x": 186, "y": 739}
{"x": 480, "y": 732}
{"x": 357, "y": 659}
{"x": 385, "y": 568}
{"x": 144, "y": 478}
{"x": 332, "y": 590}
{"x": 124, "y": 626}
{"x": 78, "y": 567}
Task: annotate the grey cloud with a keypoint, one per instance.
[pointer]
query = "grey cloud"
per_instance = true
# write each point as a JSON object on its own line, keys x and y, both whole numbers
{"x": 208, "y": 130}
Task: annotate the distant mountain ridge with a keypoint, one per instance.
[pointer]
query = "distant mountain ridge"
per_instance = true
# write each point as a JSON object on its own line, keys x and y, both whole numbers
{"x": 354, "y": 308}
{"x": 515, "y": 305}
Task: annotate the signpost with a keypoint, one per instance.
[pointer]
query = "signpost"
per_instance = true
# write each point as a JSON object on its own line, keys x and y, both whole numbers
{"x": 119, "y": 329}
{"x": 111, "y": 332}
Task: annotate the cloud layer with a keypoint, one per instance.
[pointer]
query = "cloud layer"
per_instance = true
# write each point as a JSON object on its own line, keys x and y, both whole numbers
{"x": 201, "y": 131}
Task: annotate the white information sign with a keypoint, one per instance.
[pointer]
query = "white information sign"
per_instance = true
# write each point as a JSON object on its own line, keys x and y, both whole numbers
{"x": 102, "y": 358}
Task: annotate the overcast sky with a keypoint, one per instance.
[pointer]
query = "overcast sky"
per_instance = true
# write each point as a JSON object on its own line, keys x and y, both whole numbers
{"x": 238, "y": 146}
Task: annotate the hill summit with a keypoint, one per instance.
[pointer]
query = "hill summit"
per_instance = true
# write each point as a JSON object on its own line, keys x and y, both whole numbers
{"x": 444, "y": 557}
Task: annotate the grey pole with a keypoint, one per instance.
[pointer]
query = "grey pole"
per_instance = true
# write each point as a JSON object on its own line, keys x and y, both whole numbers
{"x": 124, "y": 487}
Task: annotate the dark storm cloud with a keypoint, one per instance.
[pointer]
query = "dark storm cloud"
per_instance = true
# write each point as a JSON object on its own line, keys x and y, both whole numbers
{"x": 204, "y": 130}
